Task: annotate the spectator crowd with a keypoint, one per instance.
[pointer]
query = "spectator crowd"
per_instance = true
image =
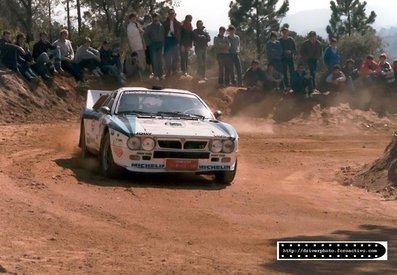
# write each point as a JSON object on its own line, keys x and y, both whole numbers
{"x": 161, "y": 50}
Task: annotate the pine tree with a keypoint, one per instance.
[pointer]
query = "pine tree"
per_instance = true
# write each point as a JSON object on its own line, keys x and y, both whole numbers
{"x": 257, "y": 18}
{"x": 348, "y": 16}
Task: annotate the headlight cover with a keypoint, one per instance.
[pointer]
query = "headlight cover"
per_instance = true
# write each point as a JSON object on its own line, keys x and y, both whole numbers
{"x": 228, "y": 146}
{"x": 148, "y": 144}
{"x": 134, "y": 143}
{"x": 216, "y": 146}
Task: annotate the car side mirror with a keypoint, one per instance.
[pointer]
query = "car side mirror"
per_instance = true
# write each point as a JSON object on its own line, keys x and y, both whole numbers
{"x": 217, "y": 114}
{"x": 105, "y": 110}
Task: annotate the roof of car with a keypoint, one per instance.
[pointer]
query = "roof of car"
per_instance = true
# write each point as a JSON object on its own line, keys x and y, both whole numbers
{"x": 167, "y": 90}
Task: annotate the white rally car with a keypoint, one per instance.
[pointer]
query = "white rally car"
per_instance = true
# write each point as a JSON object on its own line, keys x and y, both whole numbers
{"x": 157, "y": 130}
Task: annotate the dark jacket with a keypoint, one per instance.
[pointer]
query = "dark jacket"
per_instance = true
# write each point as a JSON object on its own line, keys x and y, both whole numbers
{"x": 311, "y": 50}
{"x": 154, "y": 33}
{"x": 254, "y": 77}
{"x": 187, "y": 35}
{"x": 41, "y": 47}
{"x": 177, "y": 29}
{"x": 288, "y": 44}
{"x": 274, "y": 49}
{"x": 107, "y": 57}
{"x": 201, "y": 39}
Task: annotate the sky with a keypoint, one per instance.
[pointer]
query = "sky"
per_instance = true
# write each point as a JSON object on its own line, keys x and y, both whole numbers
{"x": 214, "y": 13}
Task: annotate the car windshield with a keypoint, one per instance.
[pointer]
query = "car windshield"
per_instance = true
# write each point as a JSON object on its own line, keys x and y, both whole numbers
{"x": 165, "y": 104}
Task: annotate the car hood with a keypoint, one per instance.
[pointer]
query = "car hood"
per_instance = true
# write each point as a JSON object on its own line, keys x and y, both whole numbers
{"x": 132, "y": 125}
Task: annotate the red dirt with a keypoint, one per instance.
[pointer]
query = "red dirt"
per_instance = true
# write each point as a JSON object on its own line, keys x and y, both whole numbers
{"x": 58, "y": 216}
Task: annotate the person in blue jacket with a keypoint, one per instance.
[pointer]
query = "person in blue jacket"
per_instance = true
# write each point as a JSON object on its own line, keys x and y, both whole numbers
{"x": 332, "y": 55}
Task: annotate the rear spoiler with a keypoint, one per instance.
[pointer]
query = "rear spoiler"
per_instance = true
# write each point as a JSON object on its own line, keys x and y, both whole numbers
{"x": 93, "y": 96}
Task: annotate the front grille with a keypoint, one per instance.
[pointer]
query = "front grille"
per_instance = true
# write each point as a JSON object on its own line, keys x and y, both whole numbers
{"x": 181, "y": 155}
{"x": 195, "y": 145}
{"x": 170, "y": 144}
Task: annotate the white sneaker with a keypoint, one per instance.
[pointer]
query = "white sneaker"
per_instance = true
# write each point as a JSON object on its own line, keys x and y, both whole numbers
{"x": 316, "y": 92}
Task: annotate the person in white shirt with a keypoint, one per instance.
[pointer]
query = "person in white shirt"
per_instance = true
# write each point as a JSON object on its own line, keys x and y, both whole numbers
{"x": 135, "y": 39}
{"x": 67, "y": 55}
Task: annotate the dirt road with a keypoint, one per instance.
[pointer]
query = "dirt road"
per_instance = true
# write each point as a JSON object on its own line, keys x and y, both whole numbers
{"x": 57, "y": 216}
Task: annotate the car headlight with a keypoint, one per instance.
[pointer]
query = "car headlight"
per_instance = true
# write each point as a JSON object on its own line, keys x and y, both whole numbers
{"x": 216, "y": 146}
{"x": 134, "y": 143}
{"x": 228, "y": 146}
{"x": 148, "y": 144}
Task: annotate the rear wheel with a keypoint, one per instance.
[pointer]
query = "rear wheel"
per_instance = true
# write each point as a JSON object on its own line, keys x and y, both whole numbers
{"x": 108, "y": 167}
{"x": 226, "y": 177}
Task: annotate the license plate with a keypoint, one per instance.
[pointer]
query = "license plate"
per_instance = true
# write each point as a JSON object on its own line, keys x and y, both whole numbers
{"x": 182, "y": 164}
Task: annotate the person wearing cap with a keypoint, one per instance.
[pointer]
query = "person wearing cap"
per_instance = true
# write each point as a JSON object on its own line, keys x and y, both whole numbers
{"x": 332, "y": 55}
{"x": 222, "y": 46}
{"x": 254, "y": 77}
{"x": 186, "y": 43}
{"x": 311, "y": 51}
{"x": 201, "y": 39}
{"x": 135, "y": 39}
{"x": 386, "y": 72}
{"x": 109, "y": 62}
{"x": 351, "y": 73}
{"x": 289, "y": 50}
{"x": 234, "y": 55}
{"x": 172, "y": 38}
{"x": 88, "y": 57}
{"x": 336, "y": 79}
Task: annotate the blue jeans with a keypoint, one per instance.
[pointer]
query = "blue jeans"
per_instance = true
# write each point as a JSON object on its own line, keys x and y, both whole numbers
{"x": 201, "y": 61}
{"x": 156, "y": 55}
{"x": 312, "y": 64}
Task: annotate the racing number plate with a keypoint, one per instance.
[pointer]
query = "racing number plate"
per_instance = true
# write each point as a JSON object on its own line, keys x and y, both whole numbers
{"x": 182, "y": 164}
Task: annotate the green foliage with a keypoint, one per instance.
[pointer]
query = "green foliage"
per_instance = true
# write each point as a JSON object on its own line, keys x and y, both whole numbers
{"x": 358, "y": 46}
{"x": 348, "y": 16}
{"x": 255, "y": 19}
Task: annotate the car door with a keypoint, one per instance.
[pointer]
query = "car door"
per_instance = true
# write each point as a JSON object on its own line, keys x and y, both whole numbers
{"x": 99, "y": 122}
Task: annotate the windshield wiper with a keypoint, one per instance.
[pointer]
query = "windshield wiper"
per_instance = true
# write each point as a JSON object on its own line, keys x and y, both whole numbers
{"x": 138, "y": 113}
{"x": 181, "y": 115}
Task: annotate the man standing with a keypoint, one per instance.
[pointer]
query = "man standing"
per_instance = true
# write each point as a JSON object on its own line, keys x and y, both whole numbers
{"x": 289, "y": 50}
{"x": 154, "y": 34}
{"x": 311, "y": 51}
{"x": 331, "y": 56}
{"x": 135, "y": 39}
{"x": 222, "y": 45}
{"x": 201, "y": 39}
{"x": 274, "y": 52}
{"x": 234, "y": 54}
{"x": 172, "y": 29}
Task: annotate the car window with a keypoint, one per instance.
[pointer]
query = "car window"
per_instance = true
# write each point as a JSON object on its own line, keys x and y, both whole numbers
{"x": 154, "y": 103}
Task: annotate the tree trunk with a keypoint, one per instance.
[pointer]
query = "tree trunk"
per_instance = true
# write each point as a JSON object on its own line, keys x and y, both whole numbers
{"x": 258, "y": 31}
{"x": 78, "y": 6}
{"x": 68, "y": 16}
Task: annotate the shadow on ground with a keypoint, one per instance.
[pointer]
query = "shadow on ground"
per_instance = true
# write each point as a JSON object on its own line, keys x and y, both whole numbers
{"x": 87, "y": 171}
{"x": 365, "y": 233}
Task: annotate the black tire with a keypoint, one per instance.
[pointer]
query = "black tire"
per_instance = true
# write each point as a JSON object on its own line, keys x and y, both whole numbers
{"x": 108, "y": 167}
{"x": 226, "y": 177}
{"x": 84, "y": 153}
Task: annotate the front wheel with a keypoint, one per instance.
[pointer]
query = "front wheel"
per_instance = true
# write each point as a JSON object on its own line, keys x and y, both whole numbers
{"x": 83, "y": 146}
{"x": 226, "y": 177}
{"x": 108, "y": 167}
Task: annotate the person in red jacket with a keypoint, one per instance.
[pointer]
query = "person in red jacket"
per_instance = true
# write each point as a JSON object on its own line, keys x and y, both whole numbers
{"x": 369, "y": 70}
